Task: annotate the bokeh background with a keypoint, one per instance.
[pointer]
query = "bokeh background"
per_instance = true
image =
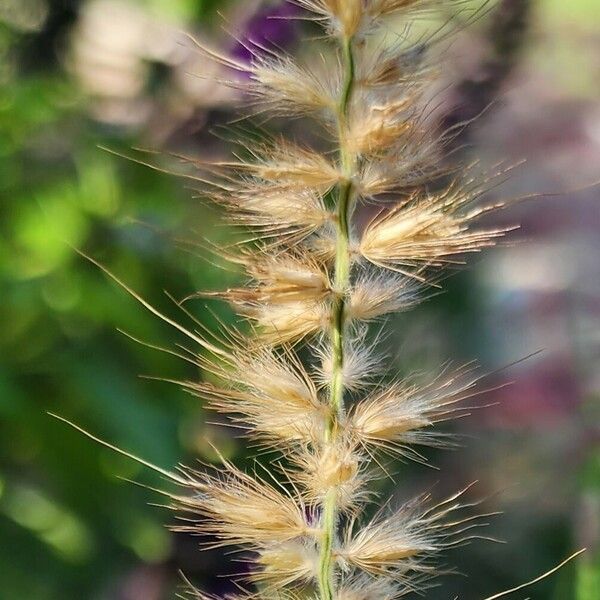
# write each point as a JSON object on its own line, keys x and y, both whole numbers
{"x": 78, "y": 76}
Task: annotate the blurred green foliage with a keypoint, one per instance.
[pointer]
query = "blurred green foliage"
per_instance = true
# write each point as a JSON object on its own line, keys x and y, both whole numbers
{"x": 68, "y": 525}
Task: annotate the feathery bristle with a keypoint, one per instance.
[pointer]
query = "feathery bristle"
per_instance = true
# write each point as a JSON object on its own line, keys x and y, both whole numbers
{"x": 365, "y": 587}
{"x": 287, "y": 166}
{"x": 265, "y": 207}
{"x": 384, "y": 8}
{"x": 284, "y": 87}
{"x": 341, "y": 16}
{"x": 282, "y": 278}
{"x": 391, "y": 70}
{"x": 289, "y": 322}
{"x": 349, "y": 18}
{"x": 361, "y": 364}
{"x": 379, "y": 126}
{"x": 261, "y": 380}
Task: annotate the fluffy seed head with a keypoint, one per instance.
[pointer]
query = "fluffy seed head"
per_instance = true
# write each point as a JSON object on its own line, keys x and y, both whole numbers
{"x": 311, "y": 275}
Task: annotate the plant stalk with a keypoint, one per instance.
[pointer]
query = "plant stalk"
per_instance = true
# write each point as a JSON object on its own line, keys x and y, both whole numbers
{"x": 329, "y": 519}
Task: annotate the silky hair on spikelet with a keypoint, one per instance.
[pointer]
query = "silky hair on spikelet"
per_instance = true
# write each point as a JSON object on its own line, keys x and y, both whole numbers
{"x": 308, "y": 384}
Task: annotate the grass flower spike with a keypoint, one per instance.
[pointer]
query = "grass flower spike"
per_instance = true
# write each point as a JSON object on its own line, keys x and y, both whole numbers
{"x": 315, "y": 280}
{"x": 308, "y": 384}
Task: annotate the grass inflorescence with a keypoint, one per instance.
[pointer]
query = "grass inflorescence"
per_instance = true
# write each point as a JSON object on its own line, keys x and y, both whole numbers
{"x": 315, "y": 280}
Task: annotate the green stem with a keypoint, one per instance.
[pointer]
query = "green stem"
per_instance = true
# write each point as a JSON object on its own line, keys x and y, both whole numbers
{"x": 329, "y": 521}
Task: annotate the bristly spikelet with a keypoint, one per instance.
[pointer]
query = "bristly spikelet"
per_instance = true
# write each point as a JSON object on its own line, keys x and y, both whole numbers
{"x": 286, "y": 564}
{"x": 377, "y": 294}
{"x": 281, "y": 86}
{"x": 335, "y": 469}
{"x": 288, "y": 167}
{"x": 292, "y": 277}
{"x": 352, "y": 18}
{"x": 400, "y": 545}
{"x": 342, "y": 17}
{"x": 401, "y": 415}
{"x": 264, "y": 208}
{"x": 241, "y": 510}
{"x": 376, "y": 127}
{"x": 361, "y": 367}
{"x": 259, "y": 380}
{"x": 287, "y": 323}
{"x": 314, "y": 275}
{"x": 427, "y": 230}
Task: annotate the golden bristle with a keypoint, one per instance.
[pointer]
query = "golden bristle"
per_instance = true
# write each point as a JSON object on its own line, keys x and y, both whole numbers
{"x": 391, "y": 71}
{"x": 283, "y": 278}
{"x": 401, "y": 544}
{"x": 401, "y": 414}
{"x": 384, "y": 8}
{"x": 287, "y": 323}
{"x": 343, "y": 17}
{"x": 393, "y": 546}
{"x": 379, "y": 127}
{"x": 361, "y": 364}
{"x": 259, "y": 380}
{"x": 387, "y": 175}
{"x": 265, "y": 207}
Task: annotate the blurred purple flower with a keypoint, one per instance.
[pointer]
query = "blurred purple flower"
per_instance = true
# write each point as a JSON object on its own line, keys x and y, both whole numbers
{"x": 542, "y": 397}
{"x": 269, "y": 26}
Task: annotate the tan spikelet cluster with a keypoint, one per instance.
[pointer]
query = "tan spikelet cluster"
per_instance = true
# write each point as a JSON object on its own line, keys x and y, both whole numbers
{"x": 309, "y": 382}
